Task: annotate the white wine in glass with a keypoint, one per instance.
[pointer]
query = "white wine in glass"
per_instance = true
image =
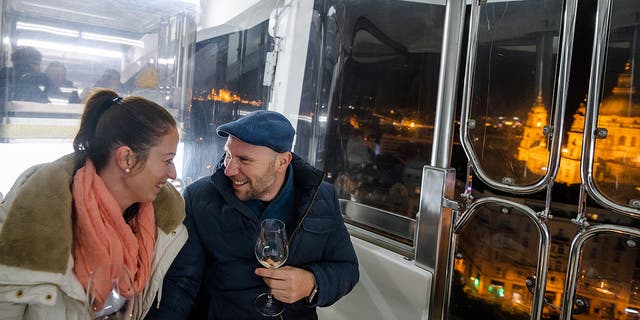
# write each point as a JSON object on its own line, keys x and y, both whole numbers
{"x": 272, "y": 249}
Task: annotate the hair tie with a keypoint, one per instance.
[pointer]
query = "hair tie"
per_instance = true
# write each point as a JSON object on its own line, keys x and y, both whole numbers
{"x": 117, "y": 100}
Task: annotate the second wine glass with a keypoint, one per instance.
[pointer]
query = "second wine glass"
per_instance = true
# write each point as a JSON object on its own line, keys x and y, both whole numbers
{"x": 111, "y": 294}
{"x": 272, "y": 249}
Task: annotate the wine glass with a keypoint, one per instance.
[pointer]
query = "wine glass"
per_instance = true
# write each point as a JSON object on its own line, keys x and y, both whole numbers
{"x": 272, "y": 249}
{"x": 110, "y": 293}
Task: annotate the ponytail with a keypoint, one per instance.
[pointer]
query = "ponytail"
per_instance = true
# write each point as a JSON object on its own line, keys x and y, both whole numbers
{"x": 97, "y": 103}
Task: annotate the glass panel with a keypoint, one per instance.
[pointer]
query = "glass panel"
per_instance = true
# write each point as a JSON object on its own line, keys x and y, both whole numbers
{"x": 616, "y": 168}
{"x": 227, "y": 84}
{"x": 373, "y": 103}
{"x": 512, "y": 91}
{"x": 609, "y": 278}
{"x": 54, "y": 51}
{"x": 496, "y": 251}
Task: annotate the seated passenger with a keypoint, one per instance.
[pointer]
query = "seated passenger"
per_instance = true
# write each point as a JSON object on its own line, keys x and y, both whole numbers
{"x": 106, "y": 207}
{"x": 24, "y": 81}
{"x": 110, "y": 79}
{"x": 259, "y": 178}
{"x": 57, "y": 74}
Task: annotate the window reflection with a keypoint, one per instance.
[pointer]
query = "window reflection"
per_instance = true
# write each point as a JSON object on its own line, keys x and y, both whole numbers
{"x": 227, "y": 84}
{"x": 378, "y": 96}
{"x": 616, "y": 167}
{"x": 496, "y": 255}
{"x": 54, "y": 52}
{"x": 608, "y": 278}
{"x": 513, "y": 89}
{"x": 492, "y": 265}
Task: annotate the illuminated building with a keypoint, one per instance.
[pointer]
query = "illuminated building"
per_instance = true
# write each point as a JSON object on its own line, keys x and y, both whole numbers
{"x": 493, "y": 267}
{"x": 533, "y": 144}
{"x": 619, "y": 114}
{"x": 496, "y": 259}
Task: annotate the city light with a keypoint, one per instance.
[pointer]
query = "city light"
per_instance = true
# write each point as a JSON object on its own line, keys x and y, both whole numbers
{"x": 631, "y": 310}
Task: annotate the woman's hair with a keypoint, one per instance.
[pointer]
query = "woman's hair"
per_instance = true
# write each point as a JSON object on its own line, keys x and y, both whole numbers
{"x": 109, "y": 122}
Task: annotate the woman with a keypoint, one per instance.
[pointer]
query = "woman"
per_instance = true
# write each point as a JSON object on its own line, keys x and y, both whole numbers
{"x": 105, "y": 206}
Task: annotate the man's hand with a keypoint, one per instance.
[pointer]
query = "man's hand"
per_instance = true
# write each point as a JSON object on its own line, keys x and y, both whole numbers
{"x": 288, "y": 284}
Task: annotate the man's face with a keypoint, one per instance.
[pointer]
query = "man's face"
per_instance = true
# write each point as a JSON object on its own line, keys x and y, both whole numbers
{"x": 253, "y": 170}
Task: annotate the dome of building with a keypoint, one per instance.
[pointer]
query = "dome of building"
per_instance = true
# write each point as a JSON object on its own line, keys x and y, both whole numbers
{"x": 619, "y": 103}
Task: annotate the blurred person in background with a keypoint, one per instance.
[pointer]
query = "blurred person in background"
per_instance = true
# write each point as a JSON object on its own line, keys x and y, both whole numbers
{"x": 59, "y": 87}
{"x": 110, "y": 79}
{"x": 24, "y": 81}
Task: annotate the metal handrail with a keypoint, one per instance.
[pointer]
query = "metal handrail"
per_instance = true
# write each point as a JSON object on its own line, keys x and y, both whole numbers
{"x": 603, "y": 18}
{"x": 574, "y": 260}
{"x": 543, "y": 244}
{"x": 570, "y": 12}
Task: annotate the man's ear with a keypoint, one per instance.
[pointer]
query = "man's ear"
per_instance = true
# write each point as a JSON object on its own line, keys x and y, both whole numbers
{"x": 125, "y": 158}
{"x": 283, "y": 160}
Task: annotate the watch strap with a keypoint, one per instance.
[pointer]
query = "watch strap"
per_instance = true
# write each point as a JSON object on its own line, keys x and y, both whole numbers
{"x": 313, "y": 294}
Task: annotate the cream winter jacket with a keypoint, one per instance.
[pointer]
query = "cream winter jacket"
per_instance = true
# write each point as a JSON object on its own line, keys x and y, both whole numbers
{"x": 36, "y": 229}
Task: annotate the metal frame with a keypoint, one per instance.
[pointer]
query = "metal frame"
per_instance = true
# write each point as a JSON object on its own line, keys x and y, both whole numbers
{"x": 603, "y": 17}
{"x": 434, "y": 221}
{"x": 385, "y": 221}
{"x": 448, "y": 83}
{"x": 559, "y": 105}
{"x": 433, "y": 242}
{"x": 575, "y": 255}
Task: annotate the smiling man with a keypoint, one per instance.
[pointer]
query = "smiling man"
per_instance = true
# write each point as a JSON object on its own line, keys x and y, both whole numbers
{"x": 217, "y": 275}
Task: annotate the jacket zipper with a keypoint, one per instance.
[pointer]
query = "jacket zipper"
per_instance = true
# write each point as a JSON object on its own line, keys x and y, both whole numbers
{"x": 306, "y": 212}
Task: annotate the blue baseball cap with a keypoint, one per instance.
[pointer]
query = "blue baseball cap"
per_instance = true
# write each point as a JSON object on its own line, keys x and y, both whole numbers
{"x": 261, "y": 128}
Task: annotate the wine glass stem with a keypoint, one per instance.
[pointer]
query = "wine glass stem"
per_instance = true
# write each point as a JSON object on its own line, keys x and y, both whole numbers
{"x": 269, "y": 299}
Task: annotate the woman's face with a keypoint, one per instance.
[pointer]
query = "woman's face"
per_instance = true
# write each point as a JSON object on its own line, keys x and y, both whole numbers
{"x": 144, "y": 184}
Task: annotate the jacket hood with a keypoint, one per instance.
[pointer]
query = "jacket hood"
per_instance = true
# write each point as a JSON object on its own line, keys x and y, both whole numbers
{"x": 38, "y": 231}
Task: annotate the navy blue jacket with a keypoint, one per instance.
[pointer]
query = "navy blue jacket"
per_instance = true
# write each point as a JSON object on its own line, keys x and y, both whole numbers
{"x": 216, "y": 265}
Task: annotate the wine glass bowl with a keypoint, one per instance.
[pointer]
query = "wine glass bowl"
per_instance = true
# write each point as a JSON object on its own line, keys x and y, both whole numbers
{"x": 272, "y": 250}
{"x": 110, "y": 293}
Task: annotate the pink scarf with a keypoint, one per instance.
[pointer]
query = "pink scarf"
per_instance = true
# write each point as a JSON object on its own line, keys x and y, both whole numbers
{"x": 104, "y": 242}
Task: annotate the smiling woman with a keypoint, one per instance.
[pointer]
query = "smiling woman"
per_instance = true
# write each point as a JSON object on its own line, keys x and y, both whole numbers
{"x": 108, "y": 203}
{"x": 112, "y": 195}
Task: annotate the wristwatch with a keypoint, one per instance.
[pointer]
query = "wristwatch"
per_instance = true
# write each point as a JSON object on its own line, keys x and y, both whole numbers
{"x": 313, "y": 293}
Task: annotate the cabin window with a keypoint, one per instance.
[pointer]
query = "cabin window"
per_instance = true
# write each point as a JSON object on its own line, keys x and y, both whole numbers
{"x": 227, "y": 84}
{"x": 372, "y": 91}
{"x": 52, "y": 55}
{"x": 616, "y": 167}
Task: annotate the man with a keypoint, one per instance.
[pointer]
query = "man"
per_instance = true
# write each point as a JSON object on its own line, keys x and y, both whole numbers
{"x": 217, "y": 271}
{"x": 24, "y": 81}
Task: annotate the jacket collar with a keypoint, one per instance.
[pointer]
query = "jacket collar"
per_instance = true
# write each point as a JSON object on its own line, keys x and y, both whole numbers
{"x": 38, "y": 231}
